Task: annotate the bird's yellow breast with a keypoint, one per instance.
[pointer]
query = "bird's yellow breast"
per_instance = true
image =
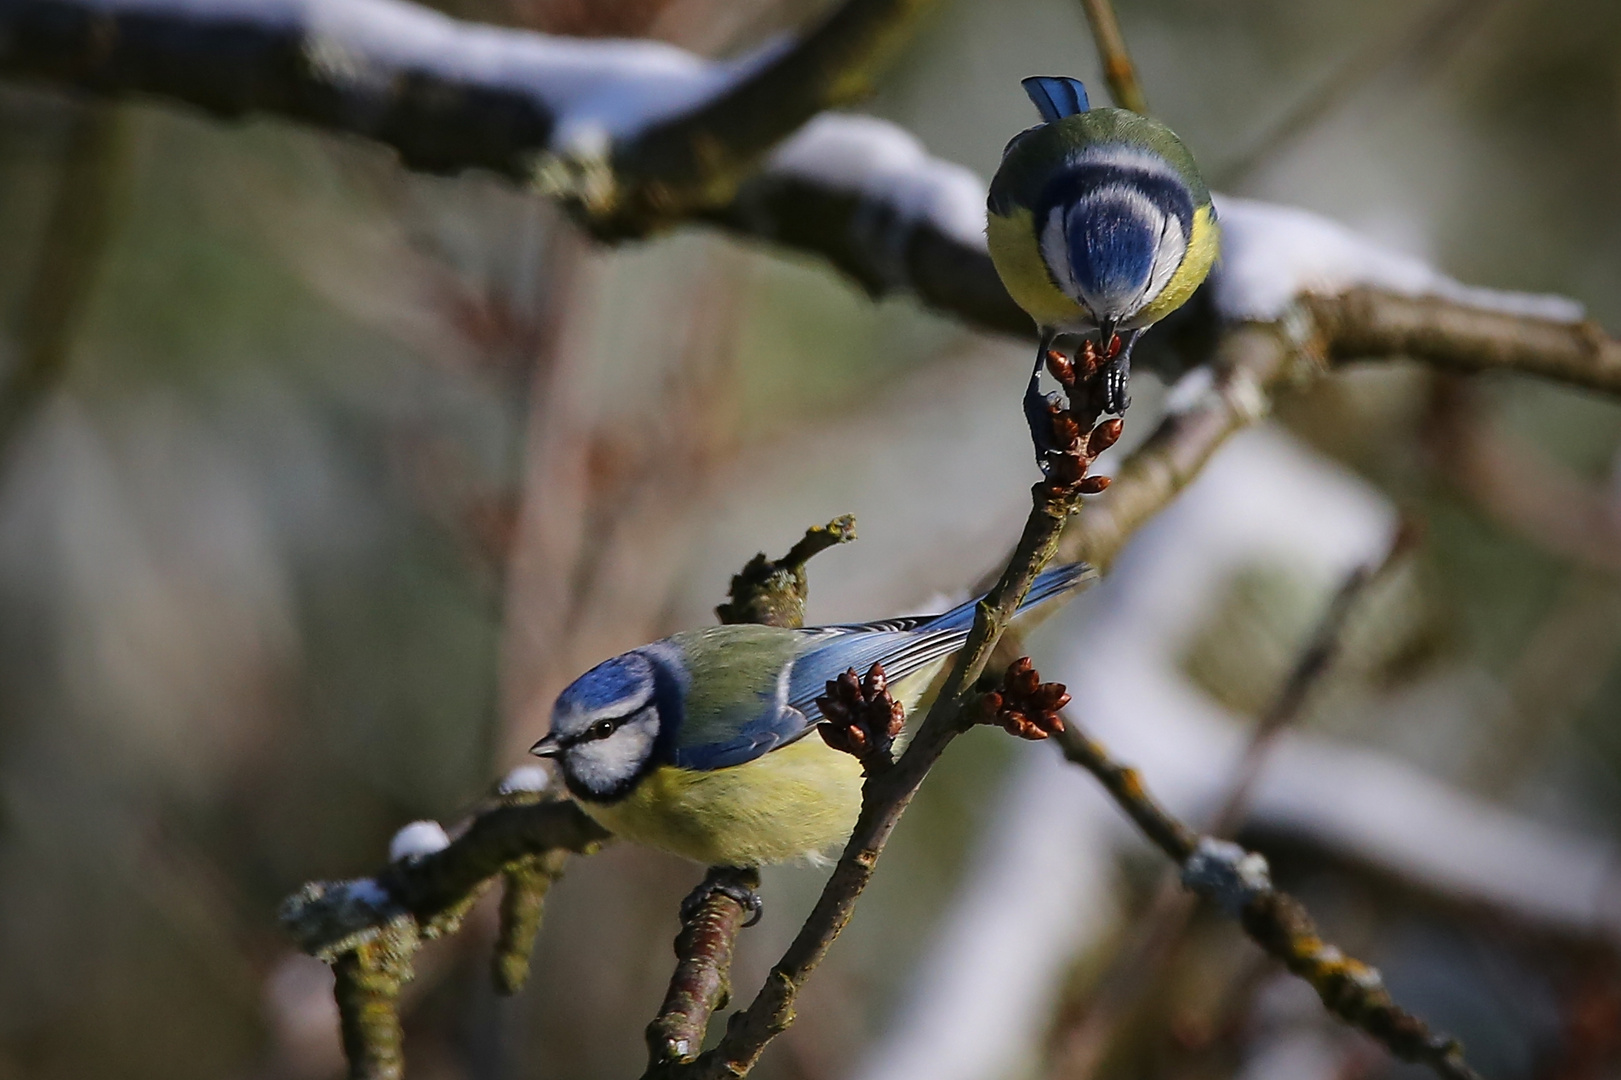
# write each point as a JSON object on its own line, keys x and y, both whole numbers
{"x": 1016, "y": 251}
{"x": 1203, "y": 244}
{"x": 798, "y": 801}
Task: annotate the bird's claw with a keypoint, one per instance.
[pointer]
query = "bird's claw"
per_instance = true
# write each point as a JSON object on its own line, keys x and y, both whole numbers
{"x": 1117, "y": 386}
{"x": 1117, "y": 375}
{"x": 725, "y": 883}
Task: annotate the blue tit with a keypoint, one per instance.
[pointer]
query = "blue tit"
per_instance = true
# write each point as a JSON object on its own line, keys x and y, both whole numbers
{"x": 1098, "y": 221}
{"x": 696, "y": 744}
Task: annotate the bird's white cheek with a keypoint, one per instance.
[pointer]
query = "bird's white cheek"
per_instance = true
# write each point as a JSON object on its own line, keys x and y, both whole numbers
{"x": 604, "y": 764}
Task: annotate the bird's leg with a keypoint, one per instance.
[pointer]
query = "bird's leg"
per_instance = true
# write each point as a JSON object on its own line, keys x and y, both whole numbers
{"x": 737, "y": 882}
{"x": 1038, "y": 406}
{"x": 1117, "y": 372}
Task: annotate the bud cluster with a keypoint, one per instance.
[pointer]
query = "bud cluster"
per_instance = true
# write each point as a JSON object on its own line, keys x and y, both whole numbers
{"x": 1024, "y": 705}
{"x": 860, "y": 717}
{"x": 1065, "y": 428}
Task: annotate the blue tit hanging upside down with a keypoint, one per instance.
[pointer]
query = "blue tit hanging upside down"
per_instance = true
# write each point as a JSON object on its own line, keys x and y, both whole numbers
{"x": 1099, "y": 222}
{"x": 696, "y": 744}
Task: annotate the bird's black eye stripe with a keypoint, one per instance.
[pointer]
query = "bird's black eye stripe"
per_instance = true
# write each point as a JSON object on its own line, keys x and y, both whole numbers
{"x": 601, "y": 729}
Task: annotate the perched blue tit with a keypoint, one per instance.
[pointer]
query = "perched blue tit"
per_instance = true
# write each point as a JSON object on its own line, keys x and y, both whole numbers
{"x": 697, "y": 744}
{"x": 1098, "y": 221}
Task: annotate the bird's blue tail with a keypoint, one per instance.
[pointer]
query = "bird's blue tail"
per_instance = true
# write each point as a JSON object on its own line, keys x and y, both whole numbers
{"x": 1049, "y": 583}
{"x": 1056, "y": 96}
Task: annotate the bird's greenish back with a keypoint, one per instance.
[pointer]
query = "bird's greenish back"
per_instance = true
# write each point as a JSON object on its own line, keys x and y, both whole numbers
{"x": 1028, "y": 166}
{"x": 738, "y": 674}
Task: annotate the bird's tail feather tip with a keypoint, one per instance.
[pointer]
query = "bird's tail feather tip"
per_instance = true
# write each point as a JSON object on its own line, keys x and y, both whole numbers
{"x": 1056, "y": 96}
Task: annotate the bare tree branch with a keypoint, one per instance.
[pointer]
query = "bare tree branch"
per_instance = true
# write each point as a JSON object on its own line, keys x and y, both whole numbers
{"x": 1118, "y": 70}
{"x": 701, "y": 982}
{"x": 595, "y": 123}
{"x": 1249, "y": 362}
{"x": 1371, "y": 323}
{"x": 82, "y": 219}
{"x": 885, "y": 798}
{"x": 631, "y": 134}
{"x": 1239, "y": 884}
{"x": 1136, "y": 971}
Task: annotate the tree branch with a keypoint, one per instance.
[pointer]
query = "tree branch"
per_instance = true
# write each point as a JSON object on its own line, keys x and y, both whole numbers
{"x": 1369, "y": 323}
{"x": 1239, "y": 883}
{"x": 773, "y": 591}
{"x": 697, "y": 160}
{"x": 81, "y": 223}
{"x": 884, "y": 799}
{"x": 1118, "y": 70}
{"x": 569, "y": 117}
{"x": 632, "y": 135}
{"x": 1250, "y": 361}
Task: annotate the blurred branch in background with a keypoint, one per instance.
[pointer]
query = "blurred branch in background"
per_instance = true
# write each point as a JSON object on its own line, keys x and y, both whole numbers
{"x": 84, "y": 212}
{"x": 1537, "y": 499}
{"x": 1118, "y": 69}
{"x": 1413, "y": 50}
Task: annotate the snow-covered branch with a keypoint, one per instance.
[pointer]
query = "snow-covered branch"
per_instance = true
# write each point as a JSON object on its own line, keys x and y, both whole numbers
{"x": 635, "y": 135}
{"x": 631, "y": 134}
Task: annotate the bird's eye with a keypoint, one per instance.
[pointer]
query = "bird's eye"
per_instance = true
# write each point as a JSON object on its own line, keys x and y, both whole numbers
{"x": 600, "y": 730}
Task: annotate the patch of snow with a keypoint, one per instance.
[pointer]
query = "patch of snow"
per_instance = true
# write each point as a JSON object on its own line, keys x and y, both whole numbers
{"x": 524, "y": 778}
{"x": 416, "y": 840}
{"x": 885, "y": 162}
{"x": 597, "y": 89}
{"x": 1271, "y": 254}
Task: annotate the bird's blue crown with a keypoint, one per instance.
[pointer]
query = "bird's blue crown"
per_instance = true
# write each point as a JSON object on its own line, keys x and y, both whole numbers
{"x": 626, "y": 679}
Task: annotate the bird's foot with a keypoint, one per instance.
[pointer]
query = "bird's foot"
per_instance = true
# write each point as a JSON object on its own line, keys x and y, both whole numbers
{"x": 1117, "y": 374}
{"x": 1117, "y": 387}
{"x": 738, "y": 883}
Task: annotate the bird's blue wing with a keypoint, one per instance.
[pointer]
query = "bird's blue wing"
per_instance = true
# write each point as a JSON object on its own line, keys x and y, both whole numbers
{"x": 901, "y": 652}
{"x": 772, "y": 729}
{"x": 903, "y": 645}
{"x": 1056, "y": 96}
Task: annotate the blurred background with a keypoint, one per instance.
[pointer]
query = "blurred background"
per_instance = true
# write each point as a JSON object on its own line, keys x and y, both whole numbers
{"x": 318, "y": 479}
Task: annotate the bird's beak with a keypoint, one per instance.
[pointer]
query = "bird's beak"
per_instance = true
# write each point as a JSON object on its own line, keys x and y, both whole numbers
{"x": 547, "y": 747}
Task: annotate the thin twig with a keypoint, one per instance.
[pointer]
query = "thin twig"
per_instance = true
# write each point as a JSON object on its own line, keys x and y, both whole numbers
{"x": 772, "y": 591}
{"x": 1142, "y": 962}
{"x": 885, "y": 797}
{"x": 1118, "y": 69}
{"x": 1414, "y": 48}
{"x": 1312, "y": 664}
{"x": 1251, "y": 361}
{"x": 1239, "y": 883}
{"x": 701, "y": 982}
